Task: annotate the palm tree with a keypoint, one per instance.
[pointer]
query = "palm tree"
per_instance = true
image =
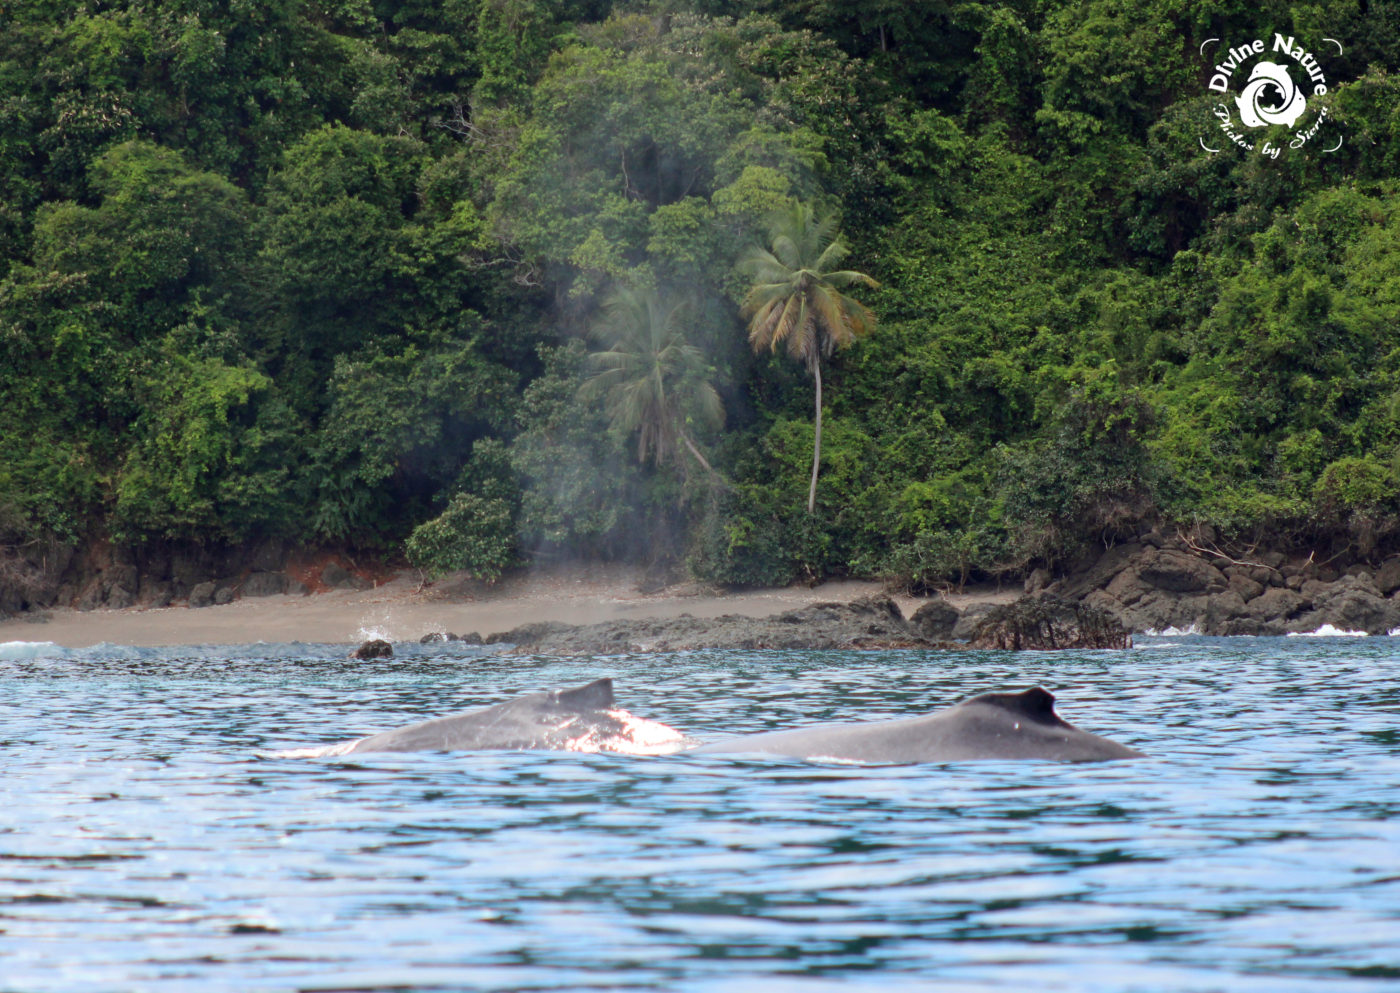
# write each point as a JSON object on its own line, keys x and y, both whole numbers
{"x": 651, "y": 379}
{"x": 796, "y": 300}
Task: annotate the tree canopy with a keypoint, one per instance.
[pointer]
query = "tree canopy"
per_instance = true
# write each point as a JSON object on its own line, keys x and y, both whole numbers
{"x": 333, "y": 274}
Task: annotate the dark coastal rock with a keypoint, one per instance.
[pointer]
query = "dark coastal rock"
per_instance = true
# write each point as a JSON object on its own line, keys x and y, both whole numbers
{"x": 269, "y": 555}
{"x": 935, "y": 619}
{"x": 265, "y": 584}
{"x": 1179, "y": 572}
{"x": 873, "y": 622}
{"x": 223, "y": 595}
{"x": 1388, "y": 576}
{"x": 120, "y": 597}
{"x": 156, "y": 595}
{"x": 203, "y": 594}
{"x": 969, "y": 619}
{"x": 1352, "y": 603}
{"x": 528, "y": 634}
{"x": 338, "y": 577}
{"x": 438, "y": 637}
{"x": 375, "y": 648}
{"x": 1102, "y": 572}
{"x": 1277, "y": 605}
{"x": 92, "y": 597}
{"x": 1242, "y": 584}
{"x": 1039, "y": 623}
{"x": 191, "y": 569}
{"x": 1166, "y": 586}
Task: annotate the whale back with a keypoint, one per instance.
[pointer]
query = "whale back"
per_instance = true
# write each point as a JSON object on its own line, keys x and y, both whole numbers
{"x": 989, "y": 726}
{"x": 583, "y": 718}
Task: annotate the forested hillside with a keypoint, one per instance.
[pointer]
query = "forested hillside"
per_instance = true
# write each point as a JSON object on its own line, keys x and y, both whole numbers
{"x": 465, "y": 281}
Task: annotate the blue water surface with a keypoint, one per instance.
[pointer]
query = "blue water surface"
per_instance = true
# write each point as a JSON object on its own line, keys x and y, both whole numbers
{"x": 150, "y": 841}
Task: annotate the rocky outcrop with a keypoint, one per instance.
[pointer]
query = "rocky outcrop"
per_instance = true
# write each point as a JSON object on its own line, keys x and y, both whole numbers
{"x": 1047, "y": 623}
{"x": 873, "y": 622}
{"x": 1161, "y": 585}
{"x": 439, "y": 637}
{"x": 338, "y": 577}
{"x": 375, "y": 648}
{"x": 935, "y": 620}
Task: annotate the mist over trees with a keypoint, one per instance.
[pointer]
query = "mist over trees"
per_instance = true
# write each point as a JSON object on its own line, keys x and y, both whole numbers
{"x": 341, "y": 274}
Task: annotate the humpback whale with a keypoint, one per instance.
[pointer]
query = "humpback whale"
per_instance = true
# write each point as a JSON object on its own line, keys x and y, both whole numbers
{"x": 583, "y": 719}
{"x": 989, "y": 726}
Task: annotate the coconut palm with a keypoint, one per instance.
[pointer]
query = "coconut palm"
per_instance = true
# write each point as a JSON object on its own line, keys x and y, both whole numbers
{"x": 652, "y": 381}
{"x": 796, "y": 300}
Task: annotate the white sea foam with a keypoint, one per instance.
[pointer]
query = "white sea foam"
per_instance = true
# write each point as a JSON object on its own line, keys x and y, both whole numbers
{"x": 1175, "y": 632}
{"x": 1327, "y": 631}
{"x": 28, "y": 649}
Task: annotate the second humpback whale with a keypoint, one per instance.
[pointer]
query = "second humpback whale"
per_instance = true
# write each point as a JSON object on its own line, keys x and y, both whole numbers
{"x": 990, "y": 726}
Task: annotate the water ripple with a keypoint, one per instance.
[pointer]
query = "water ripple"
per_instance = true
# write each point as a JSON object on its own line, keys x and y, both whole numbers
{"x": 147, "y": 841}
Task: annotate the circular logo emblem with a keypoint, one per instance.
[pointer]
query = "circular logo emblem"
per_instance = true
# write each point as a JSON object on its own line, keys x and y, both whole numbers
{"x": 1263, "y": 86}
{"x": 1269, "y": 83}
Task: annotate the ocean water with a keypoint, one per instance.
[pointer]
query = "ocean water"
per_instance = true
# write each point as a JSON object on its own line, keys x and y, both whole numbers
{"x": 149, "y": 841}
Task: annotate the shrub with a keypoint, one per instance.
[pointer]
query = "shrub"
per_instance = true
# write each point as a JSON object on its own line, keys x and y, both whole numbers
{"x": 474, "y": 534}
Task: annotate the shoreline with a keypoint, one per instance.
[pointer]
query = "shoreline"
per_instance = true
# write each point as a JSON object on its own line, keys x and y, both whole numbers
{"x": 399, "y": 611}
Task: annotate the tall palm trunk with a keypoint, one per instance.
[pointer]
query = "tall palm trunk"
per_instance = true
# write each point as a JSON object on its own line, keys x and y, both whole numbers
{"x": 817, "y": 445}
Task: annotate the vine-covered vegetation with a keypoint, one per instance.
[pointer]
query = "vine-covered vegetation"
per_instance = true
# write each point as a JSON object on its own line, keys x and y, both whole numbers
{"x": 462, "y": 280}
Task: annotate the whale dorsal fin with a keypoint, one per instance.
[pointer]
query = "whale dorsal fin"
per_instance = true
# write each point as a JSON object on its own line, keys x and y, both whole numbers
{"x": 1035, "y": 704}
{"x": 597, "y": 695}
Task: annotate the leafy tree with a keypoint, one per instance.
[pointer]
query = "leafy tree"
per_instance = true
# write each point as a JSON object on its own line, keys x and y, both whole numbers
{"x": 652, "y": 381}
{"x": 796, "y": 300}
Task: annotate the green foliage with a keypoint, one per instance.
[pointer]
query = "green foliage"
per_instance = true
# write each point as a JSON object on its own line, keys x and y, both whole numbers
{"x": 474, "y": 534}
{"x": 204, "y": 466}
{"x": 327, "y": 273}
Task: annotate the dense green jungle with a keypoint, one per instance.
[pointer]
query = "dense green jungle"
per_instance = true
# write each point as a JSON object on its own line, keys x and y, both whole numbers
{"x": 475, "y": 283}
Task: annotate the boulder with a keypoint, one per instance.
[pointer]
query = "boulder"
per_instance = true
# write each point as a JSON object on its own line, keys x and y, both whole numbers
{"x": 1102, "y": 572}
{"x": 1277, "y": 605}
{"x": 1359, "y": 609}
{"x": 155, "y": 595}
{"x": 1243, "y": 586}
{"x": 1039, "y": 623}
{"x": 1221, "y": 609}
{"x": 967, "y": 623}
{"x": 189, "y": 570}
{"x": 337, "y": 576}
{"x": 471, "y": 638}
{"x": 203, "y": 594}
{"x": 375, "y": 648}
{"x": 223, "y": 595}
{"x": 935, "y": 620}
{"x": 265, "y": 584}
{"x": 436, "y": 637}
{"x": 1388, "y": 576}
{"x": 1178, "y": 572}
{"x": 528, "y": 634}
{"x": 1127, "y": 587}
{"x": 94, "y": 594}
{"x": 268, "y": 556}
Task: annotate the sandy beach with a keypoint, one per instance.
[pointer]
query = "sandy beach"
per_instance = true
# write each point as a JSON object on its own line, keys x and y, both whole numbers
{"x": 400, "y": 611}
